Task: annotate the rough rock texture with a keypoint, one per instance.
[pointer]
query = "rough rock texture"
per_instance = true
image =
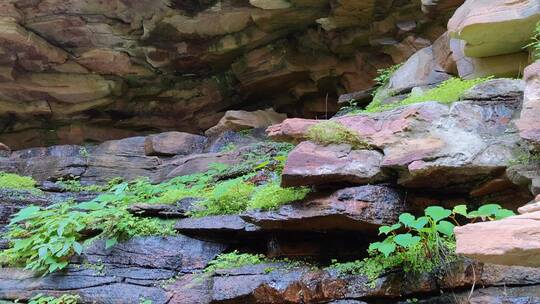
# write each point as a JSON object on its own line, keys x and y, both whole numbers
{"x": 507, "y": 65}
{"x": 493, "y": 28}
{"x": 241, "y": 120}
{"x": 312, "y": 164}
{"x": 173, "y": 143}
{"x": 158, "y": 157}
{"x": 419, "y": 141}
{"x": 516, "y": 242}
{"x": 230, "y": 226}
{"x": 73, "y": 71}
{"x": 127, "y": 273}
{"x": 275, "y": 283}
{"x": 363, "y": 208}
{"x": 529, "y": 124}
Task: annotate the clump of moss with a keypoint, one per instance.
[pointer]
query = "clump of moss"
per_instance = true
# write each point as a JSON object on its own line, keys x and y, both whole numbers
{"x": 272, "y": 196}
{"x": 233, "y": 260}
{"x": 447, "y": 92}
{"x": 331, "y": 132}
{"x": 525, "y": 158}
{"x": 14, "y": 181}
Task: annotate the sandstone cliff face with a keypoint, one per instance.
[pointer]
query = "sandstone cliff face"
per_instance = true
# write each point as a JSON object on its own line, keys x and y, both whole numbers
{"x": 89, "y": 80}
{"x": 89, "y": 70}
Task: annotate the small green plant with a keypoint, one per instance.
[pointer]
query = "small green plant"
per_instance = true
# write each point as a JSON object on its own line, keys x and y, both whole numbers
{"x": 44, "y": 239}
{"x": 525, "y": 158}
{"x": 63, "y": 299}
{"x": 352, "y": 105}
{"x": 228, "y": 197}
{"x": 534, "y": 45}
{"x": 381, "y": 81}
{"x": 332, "y": 132}
{"x": 17, "y": 182}
{"x": 272, "y": 195}
{"x": 73, "y": 184}
{"x": 229, "y": 148}
{"x": 384, "y": 75}
{"x": 418, "y": 245}
{"x": 447, "y": 92}
{"x": 84, "y": 152}
{"x": 233, "y": 259}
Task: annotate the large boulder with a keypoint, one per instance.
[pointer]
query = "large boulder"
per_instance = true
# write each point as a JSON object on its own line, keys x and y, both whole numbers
{"x": 516, "y": 241}
{"x": 421, "y": 69}
{"x": 312, "y": 164}
{"x": 494, "y": 27}
{"x": 506, "y": 65}
{"x": 173, "y": 143}
{"x": 241, "y": 120}
{"x": 419, "y": 143}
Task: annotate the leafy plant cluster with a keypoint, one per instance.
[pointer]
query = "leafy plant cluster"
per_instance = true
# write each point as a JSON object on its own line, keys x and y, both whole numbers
{"x": 447, "y": 92}
{"x": 63, "y": 299}
{"x": 234, "y": 259}
{"x": 73, "y": 184}
{"x": 534, "y": 45}
{"x": 254, "y": 184}
{"x": 381, "y": 81}
{"x": 332, "y": 132}
{"x": 418, "y": 244}
{"x": 525, "y": 158}
{"x": 17, "y": 182}
{"x": 44, "y": 239}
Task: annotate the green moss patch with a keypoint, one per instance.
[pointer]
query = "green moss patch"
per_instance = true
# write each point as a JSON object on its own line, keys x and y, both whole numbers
{"x": 14, "y": 181}
{"x": 332, "y": 132}
{"x": 447, "y": 92}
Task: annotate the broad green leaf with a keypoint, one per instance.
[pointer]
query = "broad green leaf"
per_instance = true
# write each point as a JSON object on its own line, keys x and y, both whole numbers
{"x": 77, "y": 247}
{"x": 407, "y": 219}
{"x": 374, "y": 246}
{"x": 488, "y": 210}
{"x": 406, "y": 240}
{"x": 503, "y": 213}
{"x": 388, "y": 229}
{"x": 437, "y": 213}
{"x": 25, "y": 214}
{"x": 446, "y": 228}
{"x": 89, "y": 206}
{"x": 42, "y": 252}
{"x": 460, "y": 209}
{"x": 420, "y": 223}
{"x": 387, "y": 248}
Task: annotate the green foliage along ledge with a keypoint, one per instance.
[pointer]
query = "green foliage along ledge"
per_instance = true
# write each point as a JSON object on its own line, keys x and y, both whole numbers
{"x": 45, "y": 238}
{"x": 447, "y": 92}
{"x": 17, "y": 182}
{"x": 424, "y": 244}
